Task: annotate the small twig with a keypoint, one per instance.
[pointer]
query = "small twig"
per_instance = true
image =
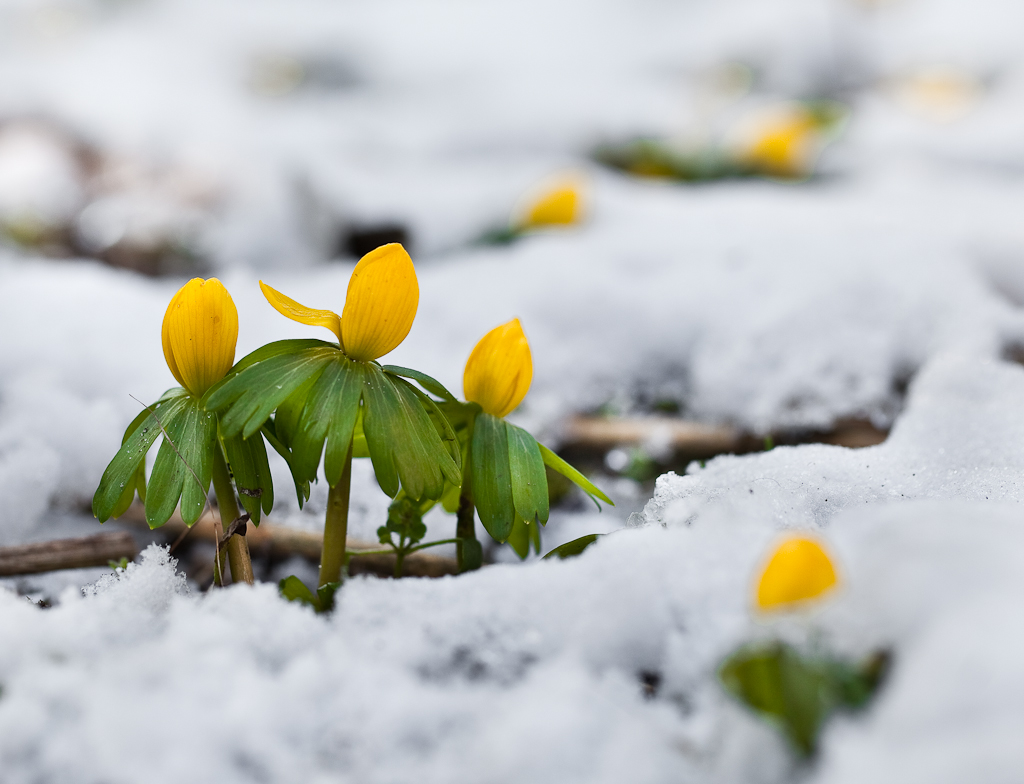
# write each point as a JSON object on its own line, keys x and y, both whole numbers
{"x": 282, "y": 542}
{"x": 699, "y": 439}
{"x": 52, "y": 556}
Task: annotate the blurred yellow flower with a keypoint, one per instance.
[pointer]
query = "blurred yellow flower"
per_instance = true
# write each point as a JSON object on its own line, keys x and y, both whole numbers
{"x": 499, "y": 370}
{"x": 380, "y": 306}
{"x": 559, "y": 202}
{"x": 941, "y": 94}
{"x": 782, "y": 142}
{"x": 798, "y": 571}
{"x": 199, "y": 334}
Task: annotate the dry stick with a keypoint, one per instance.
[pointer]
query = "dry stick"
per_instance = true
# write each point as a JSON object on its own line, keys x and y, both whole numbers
{"x": 698, "y": 438}
{"x": 282, "y": 542}
{"x": 38, "y": 557}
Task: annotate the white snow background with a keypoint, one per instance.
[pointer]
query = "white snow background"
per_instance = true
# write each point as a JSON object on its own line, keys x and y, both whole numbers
{"x": 769, "y": 305}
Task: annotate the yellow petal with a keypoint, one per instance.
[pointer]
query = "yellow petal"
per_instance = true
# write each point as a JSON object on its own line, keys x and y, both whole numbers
{"x": 559, "y": 206}
{"x": 199, "y": 334}
{"x": 499, "y": 370}
{"x": 381, "y": 303}
{"x": 798, "y": 571}
{"x": 289, "y": 308}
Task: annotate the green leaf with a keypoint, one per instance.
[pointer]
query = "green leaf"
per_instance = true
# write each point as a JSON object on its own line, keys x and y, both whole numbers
{"x": 402, "y": 440}
{"x": 491, "y": 476}
{"x": 247, "y": 460}
{"x": 138, "y": 482}
{"x": 423, "y": 462}
{"x": 432, "y": 385}
{"x": 183, "y": 466}
{"x": 529, "y": 480}
{"x": 451, "y": 469}
{"x": 519, "y": 538}
{"x": 798, "y": 693}
{"x": 301, "y": 486}
{"x": 197, "y": 449}
{"x": 359, "y": 445}
{"x": 294, "y": 590}
{"x": 573, "y": 548}
{"x": 330, "y": 413}
{"x": 121, "y": 476}
{"x": 275, "y": 349}
{"x": 566, "y": 470}
{"x": 405, "y": 518}
{"x": 248, "y": 398}
{"x": 286, "y": 417}
{"x": 382, "y": 417}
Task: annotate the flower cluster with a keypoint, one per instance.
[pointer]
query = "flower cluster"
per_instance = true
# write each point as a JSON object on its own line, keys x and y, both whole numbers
{"x": 320, "y": 402}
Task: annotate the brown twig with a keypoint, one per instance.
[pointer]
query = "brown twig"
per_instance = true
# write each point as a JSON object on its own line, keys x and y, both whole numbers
{"x": 38, "y": 557}
{"x": 282, "y": 542}
{"x": 697, "y": 439}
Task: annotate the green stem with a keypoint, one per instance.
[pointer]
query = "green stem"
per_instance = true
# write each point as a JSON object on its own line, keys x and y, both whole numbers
{"x": 469, "y": 551}
{"x": 332, "y": 559}
{"x": 431, "y": 544}
{"x": 237, "y": 547}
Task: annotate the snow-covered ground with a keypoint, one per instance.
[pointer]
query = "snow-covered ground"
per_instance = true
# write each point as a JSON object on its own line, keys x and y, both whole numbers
{"x": 259, "y": 133}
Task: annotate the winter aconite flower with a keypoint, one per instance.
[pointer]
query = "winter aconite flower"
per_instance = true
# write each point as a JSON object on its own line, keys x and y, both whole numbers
{"x": 383, "y": 295}
{"x": 559, "y": 205}
{"x": 786, "y": 140}
{"x": 798, "y": 571}
{"x": 504, "y": 478}
{"x": 499, "y": 370}
{"x": 782, "y": 142}
{"x": 313, "y": 398}
{"x": 199, "y": 334}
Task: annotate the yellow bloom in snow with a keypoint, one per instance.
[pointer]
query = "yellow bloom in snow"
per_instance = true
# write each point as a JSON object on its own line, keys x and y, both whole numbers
{"x": 783, "y": 142}
{"x": 560, "y": 204}
{"x": 798, "y": 571}
{"x": 380, "y": 306}
{"x": 499, "y": 370}
{"x": 199, "y": 334}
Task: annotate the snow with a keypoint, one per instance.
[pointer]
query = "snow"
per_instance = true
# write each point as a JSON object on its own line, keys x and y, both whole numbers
{"x": 256, "y": 134}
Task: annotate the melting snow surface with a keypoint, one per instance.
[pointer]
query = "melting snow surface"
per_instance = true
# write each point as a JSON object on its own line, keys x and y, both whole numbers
{"x": 761, "y": 304}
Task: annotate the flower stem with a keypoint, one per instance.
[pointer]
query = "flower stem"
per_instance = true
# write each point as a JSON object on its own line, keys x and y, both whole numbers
{"x": 332, "y": 559}
{"x": 399, "y": 560}
{"x": 430, "y": 544}
{"x": 237, "y": 547}
{"x": 469, "y": 551}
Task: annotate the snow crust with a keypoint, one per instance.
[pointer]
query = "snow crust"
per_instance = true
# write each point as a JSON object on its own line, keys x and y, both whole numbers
{"x": 888, "y": 288}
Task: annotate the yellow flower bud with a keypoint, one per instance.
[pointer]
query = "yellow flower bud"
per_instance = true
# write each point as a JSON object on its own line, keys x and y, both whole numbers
{"x": 199, "y": 334}
{"x": 559, "y": 204}
{"x": 383, "y": 295}
{"x": 798, "y": 571}
{"x": 784, "y": 142}
{"x": 499, "y": 370}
